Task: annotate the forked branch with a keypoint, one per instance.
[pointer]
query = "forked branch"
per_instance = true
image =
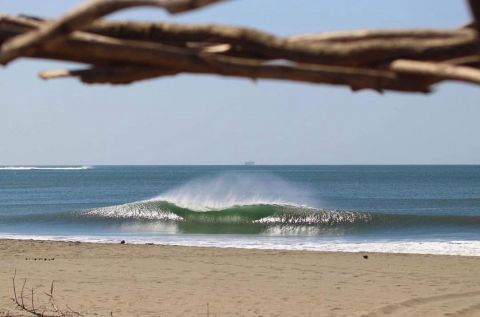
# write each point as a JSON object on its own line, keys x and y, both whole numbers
{"x": 39, "y": 311}
{"x": 54, "y": 32}
{"x": 122, "y": 52}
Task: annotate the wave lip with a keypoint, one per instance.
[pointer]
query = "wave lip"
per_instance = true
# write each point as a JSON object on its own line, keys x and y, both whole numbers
{"x": 31, "y": 168}
{"x": 206, "y": 205}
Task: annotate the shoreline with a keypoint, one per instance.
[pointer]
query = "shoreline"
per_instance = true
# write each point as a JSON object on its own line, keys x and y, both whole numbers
{"x": 466, "y": 248}
{"x": 153, "y": 280}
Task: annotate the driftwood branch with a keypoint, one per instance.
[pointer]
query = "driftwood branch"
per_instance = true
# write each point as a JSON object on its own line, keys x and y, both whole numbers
{"x": 440, "y": 70}
{"x": 475, "y": 9}
{"x": 118, "y": 75}
{"x": 51, "y": 33}
{"x": 122, "y": 52}
{"x": 352, "y": 48}
{"x": 339, "y": 48}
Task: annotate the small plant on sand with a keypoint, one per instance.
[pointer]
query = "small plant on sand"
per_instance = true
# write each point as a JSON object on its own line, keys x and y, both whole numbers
{"x": 26, "y": 303}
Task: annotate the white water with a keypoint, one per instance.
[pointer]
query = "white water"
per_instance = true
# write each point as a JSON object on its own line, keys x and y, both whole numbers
{"x": 29, "y": 168}
{"x": 133, "y": 211}
{"x": 231, "y": 189}
{"x": 460, "y": 247}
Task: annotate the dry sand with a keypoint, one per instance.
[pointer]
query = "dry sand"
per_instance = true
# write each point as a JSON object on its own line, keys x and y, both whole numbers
{"x": 147, "y": 280}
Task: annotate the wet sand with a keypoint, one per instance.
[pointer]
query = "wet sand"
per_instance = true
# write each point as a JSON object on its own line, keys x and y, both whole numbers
{"x": 153, "y": 280}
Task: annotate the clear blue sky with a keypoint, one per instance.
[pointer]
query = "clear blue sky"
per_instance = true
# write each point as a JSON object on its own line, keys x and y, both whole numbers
{"x": 212, "y": 120}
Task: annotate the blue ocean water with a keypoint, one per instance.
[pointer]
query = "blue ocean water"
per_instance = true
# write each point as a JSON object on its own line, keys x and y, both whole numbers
{"x": 415, "y": 209}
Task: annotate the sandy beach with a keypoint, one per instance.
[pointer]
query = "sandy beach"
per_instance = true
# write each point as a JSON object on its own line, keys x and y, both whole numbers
{"x": 155, "y": 280}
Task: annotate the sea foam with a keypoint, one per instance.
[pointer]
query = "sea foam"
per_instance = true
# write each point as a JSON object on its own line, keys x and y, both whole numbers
{"x": 458, "y": 247}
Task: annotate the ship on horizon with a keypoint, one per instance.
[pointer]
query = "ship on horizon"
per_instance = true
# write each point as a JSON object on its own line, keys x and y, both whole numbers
{"x": 250, "y": 163}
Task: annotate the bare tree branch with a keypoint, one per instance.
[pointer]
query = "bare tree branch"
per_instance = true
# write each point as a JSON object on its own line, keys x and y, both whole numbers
{"x": 51, "y": 33}
{"x": 104, "y": 50}
{"x": 339, "y": 48}
{"x": 475, "y": 9}
{"x": 440, "y": 70}
{"x": 118, "y": 75}
{"x": 122, "y": 52}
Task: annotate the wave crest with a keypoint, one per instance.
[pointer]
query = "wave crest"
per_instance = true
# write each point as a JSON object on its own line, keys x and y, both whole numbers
{"x": 30, "y": 168}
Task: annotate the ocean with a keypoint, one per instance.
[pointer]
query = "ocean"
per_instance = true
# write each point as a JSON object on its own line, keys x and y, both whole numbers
{"x": 403, "y": 209}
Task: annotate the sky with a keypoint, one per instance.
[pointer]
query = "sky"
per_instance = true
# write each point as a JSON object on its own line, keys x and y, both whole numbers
{"x": 198, "y": 119}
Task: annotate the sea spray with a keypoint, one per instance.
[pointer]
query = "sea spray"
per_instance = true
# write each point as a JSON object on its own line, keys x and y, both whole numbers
{"x": 227, "y": 190}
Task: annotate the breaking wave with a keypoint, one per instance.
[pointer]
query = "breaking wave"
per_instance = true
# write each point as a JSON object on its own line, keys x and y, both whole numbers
{"x": 239, "y": 203}
{"x": 30, "y": 168}
{"x": 231, "y": 203}
{"x": 270, "y": 219}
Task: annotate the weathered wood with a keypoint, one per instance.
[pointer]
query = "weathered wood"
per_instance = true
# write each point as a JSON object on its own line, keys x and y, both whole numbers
{"x": 361, "y": 35}
{"x": 54, "y": 32}
{"x": 356, "y": 80}
{"x": 118, "y": 75}
{"x": 337, "y": 48}
{"x": 475, "y": 9}
{"x": 347, "y": 48}
{"x": 440, "y": 70}
{"x": 121, "y": 52}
